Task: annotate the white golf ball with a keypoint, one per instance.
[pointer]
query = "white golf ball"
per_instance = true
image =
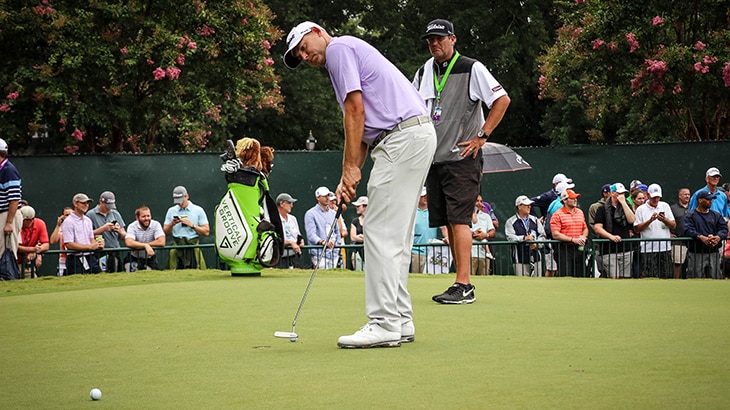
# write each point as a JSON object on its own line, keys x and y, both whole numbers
{"x": 95, "y": 394}
{"x": 293, "y": 339}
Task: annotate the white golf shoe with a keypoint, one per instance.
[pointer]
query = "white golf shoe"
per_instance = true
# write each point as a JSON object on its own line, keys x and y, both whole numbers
{"x": 407, "y": 332}
{"x": 370, "y": 335}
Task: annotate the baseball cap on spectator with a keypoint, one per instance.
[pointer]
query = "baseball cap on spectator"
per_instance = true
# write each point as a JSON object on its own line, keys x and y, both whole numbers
{"x": 654, "y": 190}
{"x": 331, "y": 196}
{"x": 713, "y": 172}
{"x": 523, "y": 200}
{"x": 569, "y": 193}
{"x": 285, "y": 198}
{"x": 562, "y": 186}
{"x": 28, "y": 212}
{"x": 107, "y": 197}
{"x": 292, "y": 41}
{"x": 703, "y": 194}
{"x": 635, "y": 183}
{"x": 642, "y": 187}
{"x": 618, "y": 187}
{"x": 726, "y": 187}
{"x": 363, "y": 200}
{"x": 322, "y": 191}
{"x": 3, "y": 145}
{"x": 82, "y": 198}
{"x": 558, "y": 178}
{"x": 423, "y": 191}
{"x": 178, "y": 194}
{"x": 606, "y": 188}
{"x": 439, "y": 27}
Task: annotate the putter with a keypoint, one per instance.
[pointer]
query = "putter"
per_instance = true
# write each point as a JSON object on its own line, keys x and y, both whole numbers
{"x": 292, "y": 336}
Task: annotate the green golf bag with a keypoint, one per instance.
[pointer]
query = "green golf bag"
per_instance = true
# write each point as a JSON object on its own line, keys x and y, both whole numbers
{"x": 248, "y": 231}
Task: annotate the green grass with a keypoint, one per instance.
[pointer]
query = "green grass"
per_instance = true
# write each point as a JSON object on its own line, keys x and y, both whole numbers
{"x": 193, "y": 340}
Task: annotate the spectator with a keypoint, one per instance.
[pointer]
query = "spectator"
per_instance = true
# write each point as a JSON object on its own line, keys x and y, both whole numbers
{"x": 485, "y": 207}
{"x": 456, "y": 108}
{"x": 634, "y": 187}
{"x": 482, "y": 229}
{"x": 593, "y": 209}
{"x": 356, "y": 233}
{"x": 143, "y": 234}
{"x": 317, "y": 223}
{"x": 293, "y": 240}
{"x": 342, "y": 227}
{"x": 551, "y": 265}
{"x": 543, "y": 201}
{"x": 33, "y": 242}
{"x": 614, "y": 222}
{"x": 186, "y": 223}
{"x": 383, "y": 111}
{"x": 108, "y": 223}
{"x": 10, "y": 195}
{"x": 423, "y": 234}
{"x": 57, "y": 238}
{"x": 524, "y": 228}
{"x": 78, "y": 235}
{"x": 654, "y": 219}
{"x": 720, "y": 201}
{"x": 707, "y": 228}
{"x": 636, "y": 199}
{"x": 679, "y": 248}
{"x": 568, "y": 225}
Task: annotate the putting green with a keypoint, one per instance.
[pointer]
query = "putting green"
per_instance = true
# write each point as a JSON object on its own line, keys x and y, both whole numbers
{"x": 194, "y": 339}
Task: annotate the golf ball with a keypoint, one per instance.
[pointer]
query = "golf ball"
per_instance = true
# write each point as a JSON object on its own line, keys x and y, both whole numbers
{"x": 293, "y": 339}
{"x": 95, "y": 394}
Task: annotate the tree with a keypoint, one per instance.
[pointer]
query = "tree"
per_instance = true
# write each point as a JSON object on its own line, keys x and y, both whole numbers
{"x": 650, "y": 71}
{"x": 106, "y": 75}
{"x": 506, "y": 36}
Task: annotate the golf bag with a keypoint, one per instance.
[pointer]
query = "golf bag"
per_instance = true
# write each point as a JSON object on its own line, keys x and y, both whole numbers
{"x": 248, "y": 231}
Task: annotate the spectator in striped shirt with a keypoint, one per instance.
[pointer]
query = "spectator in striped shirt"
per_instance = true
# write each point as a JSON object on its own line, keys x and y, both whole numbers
{"x": 143, "y": 234}
{"x": 10, "y": 191}
{"x": 568, "y": 225}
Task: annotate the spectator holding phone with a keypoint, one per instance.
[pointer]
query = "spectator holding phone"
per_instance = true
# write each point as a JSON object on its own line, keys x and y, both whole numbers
{"x": 186, "y": 223}
{"x": 108, "y": 223}
{"x": 655, "y": 220}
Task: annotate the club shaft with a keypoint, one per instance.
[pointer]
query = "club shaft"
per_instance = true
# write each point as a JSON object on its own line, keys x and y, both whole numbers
{"x": 314, "y": 271}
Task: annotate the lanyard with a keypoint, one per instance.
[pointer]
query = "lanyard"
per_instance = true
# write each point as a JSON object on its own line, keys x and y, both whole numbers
{"x": 440, "y": 84}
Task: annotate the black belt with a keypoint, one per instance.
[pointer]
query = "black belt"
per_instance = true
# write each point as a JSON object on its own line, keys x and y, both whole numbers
{"x": 411, "y": 122}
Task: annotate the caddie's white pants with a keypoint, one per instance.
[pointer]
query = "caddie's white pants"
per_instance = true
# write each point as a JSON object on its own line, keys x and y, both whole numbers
{"x": 400, "y": 165}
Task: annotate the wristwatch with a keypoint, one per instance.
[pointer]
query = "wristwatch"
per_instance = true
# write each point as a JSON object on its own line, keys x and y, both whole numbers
{"x": 481, "y": 134}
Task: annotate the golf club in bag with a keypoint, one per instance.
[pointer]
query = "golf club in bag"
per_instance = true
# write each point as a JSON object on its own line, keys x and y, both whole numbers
{"x": 292, "y": 336}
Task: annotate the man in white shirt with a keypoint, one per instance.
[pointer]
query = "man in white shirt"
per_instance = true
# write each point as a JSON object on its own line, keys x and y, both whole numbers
{"x": 654, "y": 219}
{"x": 293, "y": 240}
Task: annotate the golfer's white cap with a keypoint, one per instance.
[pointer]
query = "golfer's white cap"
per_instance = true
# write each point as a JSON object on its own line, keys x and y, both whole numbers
{"x": 293, "y": 40}
{"x": 423, "y": 191}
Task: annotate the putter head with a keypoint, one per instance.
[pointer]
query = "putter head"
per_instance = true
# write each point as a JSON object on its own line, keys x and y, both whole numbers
{"x": 287, "y": 335}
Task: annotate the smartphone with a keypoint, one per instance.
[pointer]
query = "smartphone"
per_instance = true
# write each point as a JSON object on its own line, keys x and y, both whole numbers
{"x": 175, "y": 217}
{"x": 661, "y": 213}
{"x": 114, "y": 222}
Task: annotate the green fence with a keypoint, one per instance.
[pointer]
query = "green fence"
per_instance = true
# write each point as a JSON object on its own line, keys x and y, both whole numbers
{"x": 49, "y": 182}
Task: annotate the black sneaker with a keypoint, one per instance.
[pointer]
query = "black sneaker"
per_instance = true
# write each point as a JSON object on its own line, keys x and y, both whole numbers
{"x": 457, "y": 294}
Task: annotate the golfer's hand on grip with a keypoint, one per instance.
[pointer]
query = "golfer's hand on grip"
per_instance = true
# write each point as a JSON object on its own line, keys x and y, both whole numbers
{"x": 347, "y": 189}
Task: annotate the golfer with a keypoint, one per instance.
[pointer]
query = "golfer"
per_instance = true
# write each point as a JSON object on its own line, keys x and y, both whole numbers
{"x": 384, "y": 112}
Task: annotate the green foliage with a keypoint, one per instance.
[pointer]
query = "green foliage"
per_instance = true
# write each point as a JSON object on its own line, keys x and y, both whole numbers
{"x": 650, "y": 71}
{"x": 105, "y": 75}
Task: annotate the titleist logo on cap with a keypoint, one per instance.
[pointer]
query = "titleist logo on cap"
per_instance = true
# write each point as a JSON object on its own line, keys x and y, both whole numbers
{"x": 435, "y": 27}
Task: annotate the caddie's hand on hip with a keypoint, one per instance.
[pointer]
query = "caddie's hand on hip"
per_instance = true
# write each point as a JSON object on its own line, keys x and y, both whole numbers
{"x": 471, "y": 147}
